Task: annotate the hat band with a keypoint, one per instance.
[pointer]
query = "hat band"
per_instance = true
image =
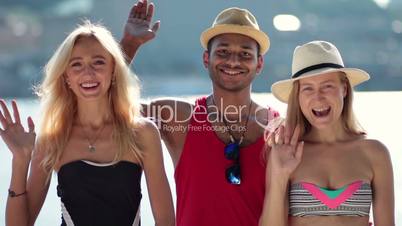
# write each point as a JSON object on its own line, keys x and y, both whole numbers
{"x": 315, "y": 67}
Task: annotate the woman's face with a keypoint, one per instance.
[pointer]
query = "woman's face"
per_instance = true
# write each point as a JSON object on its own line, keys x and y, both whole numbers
{"x": 90, "y": 69}
{"x": 321, "y": 99}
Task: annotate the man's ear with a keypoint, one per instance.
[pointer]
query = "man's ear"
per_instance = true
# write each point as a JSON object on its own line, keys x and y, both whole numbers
{"x": 260, "y": 64}
{"x": 205, "y": 58}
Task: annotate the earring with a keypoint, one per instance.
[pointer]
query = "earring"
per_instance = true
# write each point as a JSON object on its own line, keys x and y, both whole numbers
{"x": 113, "y": 81}
{"x": 68, "y": 83}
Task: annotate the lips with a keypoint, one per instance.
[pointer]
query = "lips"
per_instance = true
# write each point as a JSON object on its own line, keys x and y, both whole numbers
{"x": 89, "y": 85}
{"x": 232, "y": 72}
{"x": 321, "y": 112}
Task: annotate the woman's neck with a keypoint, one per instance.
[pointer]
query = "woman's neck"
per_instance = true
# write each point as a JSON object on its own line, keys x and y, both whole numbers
{"x": 93, "y": 113}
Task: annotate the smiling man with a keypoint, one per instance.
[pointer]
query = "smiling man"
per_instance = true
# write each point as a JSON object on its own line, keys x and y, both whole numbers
{"x": 219, "y": 168}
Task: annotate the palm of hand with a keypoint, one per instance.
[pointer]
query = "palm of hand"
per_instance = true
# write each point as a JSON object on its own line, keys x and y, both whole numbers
{"x": 286, "y": 150}
{"x": 139, "y": 30}
{"x": 17, "y": 139}
{"x": 284, "y": 158}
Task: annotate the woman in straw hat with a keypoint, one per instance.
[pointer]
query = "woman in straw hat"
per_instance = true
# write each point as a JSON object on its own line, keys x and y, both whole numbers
{"x": 92, "y": 135}
{"x": 322, "y": 169}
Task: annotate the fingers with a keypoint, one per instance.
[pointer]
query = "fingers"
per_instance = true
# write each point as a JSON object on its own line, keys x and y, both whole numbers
{"x": 16, "y": 113}
{"x": 140, "y": 11}
{"x": 299, "y": 150}
{"x": 287, "y": 134}
{"x": 6, "y": 113}
{"x": 31, "y": 125}
{"x": 136, "y": 11}
{"x": 6, "y": 120}
{"x": 143, "y": 9}
{"x": 150, "y": 12}
{"x": 280, "y": 135}
{"x": 156, "y": 26}
{"x": 295, "y": 136}
{"x": 132, "y": 11}
{"x": 3, "y": 120}
{"x": 271, "y": 140}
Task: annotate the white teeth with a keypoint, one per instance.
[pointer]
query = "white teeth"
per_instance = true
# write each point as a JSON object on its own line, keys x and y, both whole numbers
{"x": 89, "y": 84}
{"x": 321, "y": 109}
{"x": 231, "y": 72}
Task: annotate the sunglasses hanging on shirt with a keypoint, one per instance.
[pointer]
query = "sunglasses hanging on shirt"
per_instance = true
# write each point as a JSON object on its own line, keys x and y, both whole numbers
{"x": 232, "y": 151}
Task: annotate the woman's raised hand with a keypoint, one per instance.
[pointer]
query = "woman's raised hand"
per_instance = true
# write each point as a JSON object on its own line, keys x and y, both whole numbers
{"x": 286, "y": 151}
{"x": 19, "y": 141}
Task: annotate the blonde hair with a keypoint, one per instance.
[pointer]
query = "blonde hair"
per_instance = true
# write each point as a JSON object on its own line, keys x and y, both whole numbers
{"x": 59, "y": 104}
{"x": 294, "y": 115}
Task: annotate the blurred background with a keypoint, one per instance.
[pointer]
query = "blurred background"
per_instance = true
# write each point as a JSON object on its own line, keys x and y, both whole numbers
{"x": 368, "y": 34}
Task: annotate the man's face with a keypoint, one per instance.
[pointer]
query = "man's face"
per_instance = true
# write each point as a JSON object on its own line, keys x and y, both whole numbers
{"x": 233, "y": 61}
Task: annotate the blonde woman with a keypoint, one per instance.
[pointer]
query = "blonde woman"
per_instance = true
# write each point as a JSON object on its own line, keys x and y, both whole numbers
{"x": 91, "y": 135}
{"x": 322, "y": 169}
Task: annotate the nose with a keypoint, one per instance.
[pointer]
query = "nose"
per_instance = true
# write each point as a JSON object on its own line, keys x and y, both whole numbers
{"x": 319, "y": 94}
{"x": 89, "y": 70}
{"x": 233, "y": 60}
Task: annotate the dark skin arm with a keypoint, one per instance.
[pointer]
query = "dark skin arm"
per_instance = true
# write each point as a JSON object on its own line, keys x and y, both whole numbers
{"x": 138, "y": 28}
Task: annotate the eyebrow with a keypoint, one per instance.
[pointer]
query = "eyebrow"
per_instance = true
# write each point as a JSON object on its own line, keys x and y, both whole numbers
{"x": 78, "y": 58}
{"x": 247, "y": 47}
{"x": 323, "y": 82}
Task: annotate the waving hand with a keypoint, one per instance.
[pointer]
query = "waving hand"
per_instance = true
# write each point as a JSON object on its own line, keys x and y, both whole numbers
{"x": 138, "y": 27}
{"x": 19, "y": 141}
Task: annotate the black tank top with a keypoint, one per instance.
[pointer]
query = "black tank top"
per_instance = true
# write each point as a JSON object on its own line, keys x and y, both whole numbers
{"x": 99, "y": 194}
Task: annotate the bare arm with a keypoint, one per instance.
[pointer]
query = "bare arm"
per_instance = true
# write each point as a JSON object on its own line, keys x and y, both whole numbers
{"x": 26, "y": 199}
{"x": 284, "y": 157}
{"x": 157, "y": 183}
{"x": 138, "y": 30}
{"x": 383, "y": 186}
{"x": 275, "y": 207}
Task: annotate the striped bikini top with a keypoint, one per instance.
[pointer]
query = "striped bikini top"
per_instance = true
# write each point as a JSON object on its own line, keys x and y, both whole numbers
{"x": 307, "y": 199}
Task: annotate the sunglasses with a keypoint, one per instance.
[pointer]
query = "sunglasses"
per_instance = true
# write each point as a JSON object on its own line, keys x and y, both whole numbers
{"x": 232, "y": 152}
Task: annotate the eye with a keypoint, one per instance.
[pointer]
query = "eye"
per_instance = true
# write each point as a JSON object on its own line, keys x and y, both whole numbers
{"x": 222, "y": 52}
{"x": 99, "y": 62}
{"x": 328, "y": 86}
{"x": 306, "y": 88}
{"x": 246, "y": 55}
{"x": 75, "y": 64}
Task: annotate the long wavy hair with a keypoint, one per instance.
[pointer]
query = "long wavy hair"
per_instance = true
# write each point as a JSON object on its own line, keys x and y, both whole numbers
{"x": 294, "y": 115}
{"x": 59, "y": 103}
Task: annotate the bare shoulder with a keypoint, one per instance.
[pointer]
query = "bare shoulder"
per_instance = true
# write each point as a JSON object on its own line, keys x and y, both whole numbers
{"x": 375, "y": 149}
{"x": 145, "y": 129}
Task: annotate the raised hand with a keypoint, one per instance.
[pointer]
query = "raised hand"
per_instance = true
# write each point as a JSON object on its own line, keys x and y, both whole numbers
{"x": 138, "y": 29}
{"x": 19, "y": 141}
{"x": 286, "y": 151}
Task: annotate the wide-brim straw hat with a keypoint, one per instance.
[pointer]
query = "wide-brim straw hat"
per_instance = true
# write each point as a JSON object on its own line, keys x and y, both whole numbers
{"x": 313, "y": 59}
{"x": 237, "y": 21}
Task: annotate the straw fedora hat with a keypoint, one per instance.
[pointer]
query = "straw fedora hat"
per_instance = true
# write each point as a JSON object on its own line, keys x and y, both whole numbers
{"x": 237, "y": 21}
{"x": 313, "y": 59}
